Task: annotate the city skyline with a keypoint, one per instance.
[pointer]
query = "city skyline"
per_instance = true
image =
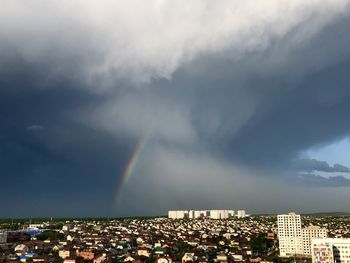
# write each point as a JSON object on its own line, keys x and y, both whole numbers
{"x": 120, "y": 108}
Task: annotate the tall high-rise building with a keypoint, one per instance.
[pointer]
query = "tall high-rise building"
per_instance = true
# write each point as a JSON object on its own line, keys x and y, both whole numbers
{"x": 289, "y": 234}
{"x": 309, "y": 233}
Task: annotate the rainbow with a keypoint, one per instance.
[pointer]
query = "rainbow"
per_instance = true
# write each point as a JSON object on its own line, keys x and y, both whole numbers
{"x": 130, "y": 167}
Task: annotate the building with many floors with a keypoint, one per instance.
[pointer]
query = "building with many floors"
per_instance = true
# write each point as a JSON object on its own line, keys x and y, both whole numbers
{"x": 294, "y": 240}
{"x": 289, "y": 234}
{"x": 309, "y": 233}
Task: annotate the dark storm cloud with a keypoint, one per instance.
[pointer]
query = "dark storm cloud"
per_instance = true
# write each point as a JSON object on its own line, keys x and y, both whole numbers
{"x": 59, "y": 161}
{"x": 224, "y": 104}
{"x": 311, "y": 113}
{"x": 298, "y": 109}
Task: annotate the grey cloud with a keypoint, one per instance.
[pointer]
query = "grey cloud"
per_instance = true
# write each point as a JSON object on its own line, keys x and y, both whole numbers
{"x": 310, "y": 165}
{"x": 140, "y": 114}
{"x": 315, "y": 180}
{"x": 341, "y": 168}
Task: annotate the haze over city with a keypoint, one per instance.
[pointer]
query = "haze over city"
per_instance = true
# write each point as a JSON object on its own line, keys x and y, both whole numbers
{"x": 120, "y": 108}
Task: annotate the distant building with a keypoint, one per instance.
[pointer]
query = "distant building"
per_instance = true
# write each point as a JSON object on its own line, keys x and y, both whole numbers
{"x": 241, "y": 213}
{"x": 3, "y": 237}
{"x": 331, "y": 250}
{"x": 164, "y": 260}
{"x": 219, "y": 214}
{"x": 178, "y": 214}
{"x": 200, "y": 214}
{"x": 21, "y": 249}
{"x": 100, "y": 258}
{"x": 35, "y": 226}
{"x": 289, "y": 234}
{"x": 64, "y": 254}
{"x": 87, "y": 255}
{"x": 213, "y": 214}
{"x": 188, "y": 257}
{"x": 66, "y": 227}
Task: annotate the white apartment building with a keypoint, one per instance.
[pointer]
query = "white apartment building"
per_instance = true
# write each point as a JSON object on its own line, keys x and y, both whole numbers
{"x": 231, "y": 213}
{"x": 309, "y": 233}
{"x": 330, "y": 250}
{"x": 200, "y": 214}
{"x": 241, "y": 213}
{"x": 219, "y": 214}
{"x": 213, "y": 214}
{"x": 289, "y": 234}
{"x": 179, "y": 214}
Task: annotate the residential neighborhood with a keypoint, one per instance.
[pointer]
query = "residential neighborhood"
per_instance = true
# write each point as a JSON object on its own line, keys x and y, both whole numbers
{"x": 154, "y": 239}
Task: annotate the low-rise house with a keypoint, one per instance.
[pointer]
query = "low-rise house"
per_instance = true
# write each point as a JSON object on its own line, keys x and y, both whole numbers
{"x": 100, "y": 258}
{"x": 143, "y": 252}
{"x": 221, "y": 258}
{"x": 87, "y": 255}
{"x": 164, "y": 260}
{"x": 129, "y": 259}
{"x": 64, "y": 253}
{"x": 188, "y": 257}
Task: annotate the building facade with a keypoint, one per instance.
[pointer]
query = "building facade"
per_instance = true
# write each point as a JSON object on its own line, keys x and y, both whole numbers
{"x": 294, "y": 240}
{"x": 241, "y": 213}
{"x": 309, "y": 233}
{"x": 289, "y": 234}
{"x": 178, "y": 214}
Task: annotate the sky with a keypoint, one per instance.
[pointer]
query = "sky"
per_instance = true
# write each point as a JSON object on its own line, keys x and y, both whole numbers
{"x": 121, "y": 108}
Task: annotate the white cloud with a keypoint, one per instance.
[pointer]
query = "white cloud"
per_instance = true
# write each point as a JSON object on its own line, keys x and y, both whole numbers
{"x": 141, "y": 40}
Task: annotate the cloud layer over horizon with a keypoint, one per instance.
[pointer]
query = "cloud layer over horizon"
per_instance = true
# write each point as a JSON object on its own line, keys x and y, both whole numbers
{"x": 228, "y": 95}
